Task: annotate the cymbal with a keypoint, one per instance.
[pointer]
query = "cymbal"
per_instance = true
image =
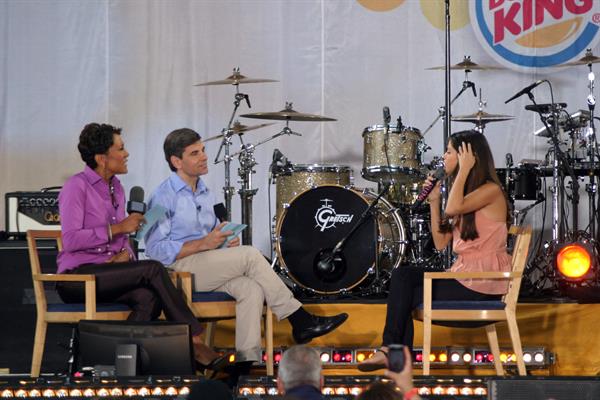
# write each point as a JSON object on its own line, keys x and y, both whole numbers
{"x": 467, "y": 65}
{"x": 481, "y": 117}
{"x": 589, "y": 58}
{"x": 288, "y": 114}
{"x": 235, "y": 79}
{"x": 238, "y": 129}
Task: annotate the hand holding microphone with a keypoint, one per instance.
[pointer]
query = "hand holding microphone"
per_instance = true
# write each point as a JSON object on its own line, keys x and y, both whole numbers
{"x": 431, "y": 188}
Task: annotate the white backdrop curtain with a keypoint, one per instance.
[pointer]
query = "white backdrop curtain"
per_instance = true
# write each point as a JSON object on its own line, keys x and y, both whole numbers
{"x": 133, "y": 63}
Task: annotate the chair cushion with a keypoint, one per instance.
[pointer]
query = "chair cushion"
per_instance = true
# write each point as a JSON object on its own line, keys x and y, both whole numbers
{"x": 203, "y": 297}
{"x": 466, "y": 305}
{"x": 80, "y": 307}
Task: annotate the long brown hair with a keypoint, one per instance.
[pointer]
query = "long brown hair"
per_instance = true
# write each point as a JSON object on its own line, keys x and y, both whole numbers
{"x": 482, "y": 172}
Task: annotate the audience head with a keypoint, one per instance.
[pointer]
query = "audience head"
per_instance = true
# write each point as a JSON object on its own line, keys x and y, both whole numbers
{"x": 299, "y": 365}
{"x": 381, "y": 391}
{"x": 210, "y": 390}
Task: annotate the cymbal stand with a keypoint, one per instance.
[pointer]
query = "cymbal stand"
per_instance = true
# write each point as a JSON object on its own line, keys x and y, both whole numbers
{"x": 592, "y": 148}
{"x": 442, "y": 110}
{"x": 228, "y": 190}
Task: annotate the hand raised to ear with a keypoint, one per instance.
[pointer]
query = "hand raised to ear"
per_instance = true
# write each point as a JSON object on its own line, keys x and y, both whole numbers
{"x": 466, "y": 158}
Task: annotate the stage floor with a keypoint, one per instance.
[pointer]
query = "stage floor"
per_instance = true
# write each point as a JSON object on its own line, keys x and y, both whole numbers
{"x": 570, "y": 331}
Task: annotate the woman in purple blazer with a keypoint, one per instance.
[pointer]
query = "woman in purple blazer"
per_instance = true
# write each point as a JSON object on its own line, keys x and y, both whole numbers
{"x": 95, "y": 239}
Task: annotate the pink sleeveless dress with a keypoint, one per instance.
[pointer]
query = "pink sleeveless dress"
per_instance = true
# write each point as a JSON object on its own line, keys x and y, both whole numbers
{"x": 486, "y": 253}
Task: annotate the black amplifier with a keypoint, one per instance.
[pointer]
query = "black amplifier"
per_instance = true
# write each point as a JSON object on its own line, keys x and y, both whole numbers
{"x": 31, "y": 210}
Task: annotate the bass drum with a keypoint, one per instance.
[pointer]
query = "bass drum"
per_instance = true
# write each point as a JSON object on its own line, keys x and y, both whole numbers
{"x": 317, "y": 219}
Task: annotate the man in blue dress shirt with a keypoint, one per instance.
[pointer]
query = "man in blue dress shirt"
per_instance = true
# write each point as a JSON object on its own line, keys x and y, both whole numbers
{"x": 190, "y": 237}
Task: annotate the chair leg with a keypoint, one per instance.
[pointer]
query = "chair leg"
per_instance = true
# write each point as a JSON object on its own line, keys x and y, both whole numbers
{"x": 269, "y": 340}
{"x": 209, "y": 334}
{"x": 38, "y": 346}
{"x": 492, "y": 336}
{"x": 515, "y": 337}
{"x": 426, "y": 344}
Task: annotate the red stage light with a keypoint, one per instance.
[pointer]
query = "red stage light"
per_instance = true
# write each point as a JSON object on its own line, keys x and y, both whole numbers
{"x": 419, "y": 357}
{"x": 573, "y": 261}
{"x": 337, "y": 357}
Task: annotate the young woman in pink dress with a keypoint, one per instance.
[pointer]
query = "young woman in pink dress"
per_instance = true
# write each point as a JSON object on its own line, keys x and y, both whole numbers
{"x": 475, "y": 219}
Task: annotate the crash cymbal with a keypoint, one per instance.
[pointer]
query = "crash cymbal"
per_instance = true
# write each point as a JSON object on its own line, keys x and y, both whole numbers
{"x": 589, "y": 58}
{"x": 288, "y": 114}
{"x": 481, "y": 117}
{"x": 235, "y": 79}
{"x": 238, "y": 129}
{"x": 467, "y": 65}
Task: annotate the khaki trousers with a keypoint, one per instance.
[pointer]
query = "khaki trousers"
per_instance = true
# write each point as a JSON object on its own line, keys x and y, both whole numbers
{"x": 243, "y": 273}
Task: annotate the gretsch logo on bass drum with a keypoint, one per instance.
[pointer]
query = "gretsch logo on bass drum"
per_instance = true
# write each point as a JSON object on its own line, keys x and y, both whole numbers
{"x": 326, "y": 217}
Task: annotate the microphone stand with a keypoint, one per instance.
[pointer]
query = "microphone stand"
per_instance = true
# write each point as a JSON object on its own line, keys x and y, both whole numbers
{"x": 447, "y": 116}
{"x": 339, "y": 247}
{"x": 592, "y": 145}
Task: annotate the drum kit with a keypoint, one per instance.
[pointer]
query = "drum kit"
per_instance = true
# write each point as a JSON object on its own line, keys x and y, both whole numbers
{"x": 332, "y": 238}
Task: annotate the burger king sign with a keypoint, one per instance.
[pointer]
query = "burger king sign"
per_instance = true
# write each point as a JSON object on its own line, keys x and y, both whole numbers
{"x": 529, "y": 34}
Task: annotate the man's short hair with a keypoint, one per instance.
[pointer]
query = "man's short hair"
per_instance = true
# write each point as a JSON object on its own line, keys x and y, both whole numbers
{"x": 177, "y": 141}
{"x": 300, "y": 365}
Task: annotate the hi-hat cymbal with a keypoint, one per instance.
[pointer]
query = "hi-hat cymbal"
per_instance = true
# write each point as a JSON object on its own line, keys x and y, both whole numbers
{"x": 288, "y": 114}
{"x": 482, "y": 118}
{"x": 235, "y": 79}
{"x": 238, "y": 129}
{"x": 589, "y": 58}
{"x": 467, "y": 65}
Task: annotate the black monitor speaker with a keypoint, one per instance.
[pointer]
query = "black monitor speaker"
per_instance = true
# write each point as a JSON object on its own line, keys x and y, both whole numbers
{"x": 159, "y": 348}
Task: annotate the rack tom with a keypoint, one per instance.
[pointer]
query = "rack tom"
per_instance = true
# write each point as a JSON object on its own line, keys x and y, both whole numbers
{"x": 398, "y": 157}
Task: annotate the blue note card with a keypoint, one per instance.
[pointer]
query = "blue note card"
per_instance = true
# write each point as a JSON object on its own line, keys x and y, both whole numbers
{"x": 152, "y": 216}
{"x": 235, "y": 228}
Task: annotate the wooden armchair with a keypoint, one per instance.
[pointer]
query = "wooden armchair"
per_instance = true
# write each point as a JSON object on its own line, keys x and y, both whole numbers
{"x": 60, "y": 312}
{"x": 211, "y": 307}
{"x": 481, "y": 311}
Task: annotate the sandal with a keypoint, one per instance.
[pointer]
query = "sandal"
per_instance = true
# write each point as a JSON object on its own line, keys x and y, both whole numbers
{"x": 367, "y": 366}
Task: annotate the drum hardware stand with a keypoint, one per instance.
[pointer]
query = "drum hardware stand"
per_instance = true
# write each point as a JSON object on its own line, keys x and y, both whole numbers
{"x": 592, "y": 147}
{"x": 228, "y": 190}
{"x": 245, "y": 171}
{"x": 442, "y": 110}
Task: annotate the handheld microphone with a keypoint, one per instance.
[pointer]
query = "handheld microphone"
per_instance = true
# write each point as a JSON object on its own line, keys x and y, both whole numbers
{"x": 437, "y": 175}
{"x": 526, "y": 90}
{"x": 136, "y": 201}
{"x": 220, "y": 211}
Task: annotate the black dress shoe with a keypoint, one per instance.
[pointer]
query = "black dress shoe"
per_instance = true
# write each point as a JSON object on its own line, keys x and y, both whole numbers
{"x": 319, "y": 327}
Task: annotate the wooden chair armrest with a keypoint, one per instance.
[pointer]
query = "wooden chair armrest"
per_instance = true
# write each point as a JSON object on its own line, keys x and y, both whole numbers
{"x": 63, "y": 277}
{"x": 473, "y": 275}
{"x": 184, "y": 282}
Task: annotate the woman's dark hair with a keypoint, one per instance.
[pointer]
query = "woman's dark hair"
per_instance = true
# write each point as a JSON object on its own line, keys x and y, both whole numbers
{"x": 176, "y": 142}
{"x": 380, "y": 391}
{"x": 96, "y": 139}
{"x": 482, "y": 172}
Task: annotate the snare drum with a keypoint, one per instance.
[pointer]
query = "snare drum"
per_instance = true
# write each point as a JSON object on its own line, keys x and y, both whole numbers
{"x": 296, "y": 178}
{"x": 401, "y": 158}
{"x": 319, "y": 218}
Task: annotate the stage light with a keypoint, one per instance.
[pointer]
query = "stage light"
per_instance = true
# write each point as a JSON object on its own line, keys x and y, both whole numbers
{"x": 466, "y": 391}
{"x": 503, "y": 357}
{"x": 117, "y": 392}
{"x": 184, "y": 391}
{"x": 574, "y": 261}
{"x": 277, "y": 357}
{"x": 539, "y": 357}
{"x": 325, "y": 357}
{"x": 103, "y": 392}
{"x": 171, "y": 391}
{"x": 455, "y": 357}
{"x": 355, "y": 391}
{"x": 342, "y": 356}
{"x": 327, "y": 391}
{"x": 432, "y": 357}
{"x": 231, "y": 358}
{"x": 89, "y": 392}
{"x": 34, "y": 393}
{"x": 443, "y": 357}
{"x": 527, "y": 357}
{"x": 341, "y": 391}
{"x": 452, "y": 391}
{"x": 272, "y": 391}
{"x": 245, "y": 391}
{"x": 418, "y": 356}
{"x": 467, "y": 357}
{"x": 438, "y": 391}
{"x": 480, "y": 391}
{"x": 260, "y": 390}
{"x": 21, "y": 393}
